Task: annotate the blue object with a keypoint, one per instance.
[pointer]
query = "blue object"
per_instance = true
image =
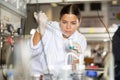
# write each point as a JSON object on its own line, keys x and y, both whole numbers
{"x": 9, "y": 73}
{"x": 91, "y": 73}
{"x": 71, "y": 47}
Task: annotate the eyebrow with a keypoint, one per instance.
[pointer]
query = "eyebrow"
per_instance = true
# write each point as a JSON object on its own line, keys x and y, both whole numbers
{"x": 67, "y": 21}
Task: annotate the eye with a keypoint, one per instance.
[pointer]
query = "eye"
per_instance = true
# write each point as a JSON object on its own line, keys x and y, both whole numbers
{"x": 74, "y": 23}
{"x": 64, "y": 22}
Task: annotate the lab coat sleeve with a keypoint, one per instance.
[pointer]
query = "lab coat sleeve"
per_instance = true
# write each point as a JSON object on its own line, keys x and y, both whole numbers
{"x": 37, "y": 57}
{"x": 50, "y": 29}
{"x": 83, "y": 43}
{"x": 37, "y": 49}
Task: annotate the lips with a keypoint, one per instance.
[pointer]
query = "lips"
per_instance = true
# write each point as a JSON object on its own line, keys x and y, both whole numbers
{"x": 68, "y": 32}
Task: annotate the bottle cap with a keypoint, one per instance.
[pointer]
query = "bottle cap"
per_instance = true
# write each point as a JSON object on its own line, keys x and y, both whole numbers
{"x": 71, "y": 47}
{"x": 9, "y": 73}
{"x": 91, "y": 73}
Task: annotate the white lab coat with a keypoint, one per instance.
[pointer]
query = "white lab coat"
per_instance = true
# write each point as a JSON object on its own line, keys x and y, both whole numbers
{"x": 54, "y": 46}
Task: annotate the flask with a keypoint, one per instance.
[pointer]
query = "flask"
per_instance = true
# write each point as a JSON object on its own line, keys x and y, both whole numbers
{"x": 79, "y": 73}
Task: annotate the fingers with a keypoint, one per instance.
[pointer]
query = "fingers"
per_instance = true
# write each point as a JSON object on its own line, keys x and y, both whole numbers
{"x": 41, "y": 14}
{"x": 42, "y": 20}
{"x": 42, "y": 17}
{"x": 35, "y": 16}
{"x": 77, "y": 47}
{"x": 35, "y": 13}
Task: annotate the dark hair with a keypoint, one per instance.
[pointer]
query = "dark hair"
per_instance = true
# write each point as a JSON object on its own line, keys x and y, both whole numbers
{"x": 71, "y": 9}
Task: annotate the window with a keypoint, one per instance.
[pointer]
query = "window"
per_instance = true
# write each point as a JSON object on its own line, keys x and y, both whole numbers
{"x": 95, "y": 6}
{"x": 81, "y": 6}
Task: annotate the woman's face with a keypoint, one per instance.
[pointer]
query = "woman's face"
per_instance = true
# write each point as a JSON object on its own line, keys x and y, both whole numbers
{"x": 69, "y": 24}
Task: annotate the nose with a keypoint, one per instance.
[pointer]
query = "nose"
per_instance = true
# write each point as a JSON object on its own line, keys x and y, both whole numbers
{"x": 68, "y": 26}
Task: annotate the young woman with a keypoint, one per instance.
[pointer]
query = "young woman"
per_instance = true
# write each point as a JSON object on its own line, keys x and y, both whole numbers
{"x": 49, "y": 44}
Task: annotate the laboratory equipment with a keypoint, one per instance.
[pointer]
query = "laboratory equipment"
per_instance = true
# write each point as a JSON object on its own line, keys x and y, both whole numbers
{"x": 79, "y": 72}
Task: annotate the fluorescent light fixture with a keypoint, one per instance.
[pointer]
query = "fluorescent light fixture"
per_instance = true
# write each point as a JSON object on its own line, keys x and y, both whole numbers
{"x": 105, "y": 40}
{"x": 45, "y": 1}
{"x": 114, "y": 2}
{"x": 84, "y": 0}
{"x": 53, "y": 4}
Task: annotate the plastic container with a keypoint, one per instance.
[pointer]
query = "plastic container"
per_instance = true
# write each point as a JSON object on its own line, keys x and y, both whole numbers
{"x": 91, "y": 74}
{"x": 10, "y": 75}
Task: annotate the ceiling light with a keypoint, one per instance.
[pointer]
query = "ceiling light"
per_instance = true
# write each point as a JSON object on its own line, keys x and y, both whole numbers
{"x": 53, "y": 4}
{"x": 84, "y": 0}
{"x": 114, "y": 2}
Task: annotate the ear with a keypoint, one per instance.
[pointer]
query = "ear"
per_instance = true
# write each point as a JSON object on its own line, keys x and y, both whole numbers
{"x": 35, "y": 15}
{"x": 80, "y": 22}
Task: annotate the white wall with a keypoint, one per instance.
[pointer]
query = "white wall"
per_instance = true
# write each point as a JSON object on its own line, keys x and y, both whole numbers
{"x": 87, "y": 12}
{"x": 48, "y": 10}
{"x": 8, "y": 16}
{"x": 53, "y": 12}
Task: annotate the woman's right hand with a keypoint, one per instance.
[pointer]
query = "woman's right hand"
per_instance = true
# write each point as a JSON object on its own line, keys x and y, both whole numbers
{"x": 41, "y": 19}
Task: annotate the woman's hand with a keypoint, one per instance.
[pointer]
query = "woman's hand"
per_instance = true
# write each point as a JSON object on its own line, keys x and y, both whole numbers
{"x": 41, "y": 19}
{"x": 77, "y": 49}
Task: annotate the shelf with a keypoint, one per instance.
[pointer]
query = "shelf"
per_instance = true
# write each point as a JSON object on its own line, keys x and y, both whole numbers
{"x": 97, "y": 34}
{"x": 97, "y": 69}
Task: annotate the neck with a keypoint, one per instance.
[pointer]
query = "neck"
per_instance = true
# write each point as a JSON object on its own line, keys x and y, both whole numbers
{"x": 66, "y": 37}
